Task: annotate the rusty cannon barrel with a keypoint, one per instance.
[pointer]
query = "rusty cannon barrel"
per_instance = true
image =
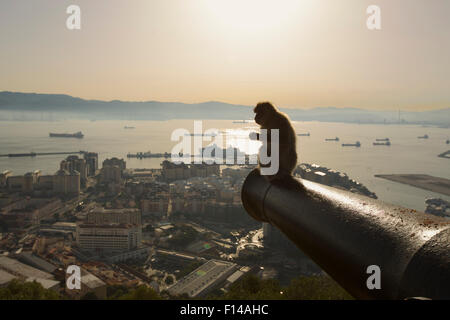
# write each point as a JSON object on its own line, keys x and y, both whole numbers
{"x": 345, "y": 233}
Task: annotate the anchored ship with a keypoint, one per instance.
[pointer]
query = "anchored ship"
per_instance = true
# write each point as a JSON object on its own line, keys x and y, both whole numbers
{"x": 423, "y": 137}
{"x": 201, "y": 134}
{"x": 387, "y": 143}
{"x": 357, "y": 144}
{"x": 149, "y": 154}
{"x": 240, "y": 121}
{"x": 304, "y": 134}
{"x": 78, "y": 135}
{"x": 332, "y": 139}
{"x": 384, "y": 139}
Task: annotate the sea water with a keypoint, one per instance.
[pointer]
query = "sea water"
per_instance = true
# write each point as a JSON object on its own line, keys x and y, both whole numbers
{"x": 406, "y": 155}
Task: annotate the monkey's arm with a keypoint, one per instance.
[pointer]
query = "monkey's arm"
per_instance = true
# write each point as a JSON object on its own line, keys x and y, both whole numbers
{"x": 257, "y": 136}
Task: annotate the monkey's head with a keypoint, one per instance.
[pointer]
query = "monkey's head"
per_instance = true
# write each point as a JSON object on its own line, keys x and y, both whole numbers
{"x": 265, "y": 111}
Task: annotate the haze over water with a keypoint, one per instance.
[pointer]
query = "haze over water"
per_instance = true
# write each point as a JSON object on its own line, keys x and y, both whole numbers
{"x": 407, "y": 154}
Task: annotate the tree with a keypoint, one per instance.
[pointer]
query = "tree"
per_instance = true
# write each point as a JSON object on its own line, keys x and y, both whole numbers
{"x": 19, "y": 290}
{"x": 116, "y": 291}
{"x": 250, "y": 287}
{"x": 89, "y": 296}
{"x": 169, "y": 280}
{"x": 191, "y": 267}
{"x": 148, "y": 228}
{"x": 319, "y": 287}
{"x": 301, "y": 288}
{"x": 3, "y": 226}
{"x": 141, "y": 293}
{"x": 184, "y": 236}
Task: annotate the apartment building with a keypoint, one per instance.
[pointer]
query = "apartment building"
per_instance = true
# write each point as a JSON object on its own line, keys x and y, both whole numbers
{"x": 110, "y": 238}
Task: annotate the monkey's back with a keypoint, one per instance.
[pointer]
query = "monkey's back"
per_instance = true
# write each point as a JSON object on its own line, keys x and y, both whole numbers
{"x": 288, "y": 143}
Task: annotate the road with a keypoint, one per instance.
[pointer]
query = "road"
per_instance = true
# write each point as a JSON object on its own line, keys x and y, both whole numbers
{"x": 253, "y": 238}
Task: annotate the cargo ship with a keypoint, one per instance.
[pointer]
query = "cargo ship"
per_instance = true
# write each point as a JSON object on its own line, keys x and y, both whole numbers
{"x": 356, "y": 144}
{"x": 423, "y": 137}
{"x": 387, "y": 143}
{"x": 144, "y": 155}
{"x": 240, "y": 121}
{"x": 304, "y": 134}
{"x": 384, "y": 139}
{"x": 201, "y": 134}
{"x": 77, "y": 135}
{"x": 332, "y": 139}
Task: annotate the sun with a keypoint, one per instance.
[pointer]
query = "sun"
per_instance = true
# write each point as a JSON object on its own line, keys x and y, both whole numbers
{"x": 254, "y": 15}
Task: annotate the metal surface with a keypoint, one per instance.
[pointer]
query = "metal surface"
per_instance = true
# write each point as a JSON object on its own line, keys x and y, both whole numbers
{"x": 344, "y": 233}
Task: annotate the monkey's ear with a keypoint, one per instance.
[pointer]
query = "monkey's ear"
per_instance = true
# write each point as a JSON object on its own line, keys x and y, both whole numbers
{"x": 260, "y": 107}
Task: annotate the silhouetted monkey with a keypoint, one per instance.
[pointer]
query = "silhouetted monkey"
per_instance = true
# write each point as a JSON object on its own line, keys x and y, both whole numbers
{"x": 269, "y": 117}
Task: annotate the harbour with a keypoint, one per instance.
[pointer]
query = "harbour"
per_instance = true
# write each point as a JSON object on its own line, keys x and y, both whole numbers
{"x": 407, "y": 155}
{"x": 35, "y": 154}
{"x": 423, "y": 181}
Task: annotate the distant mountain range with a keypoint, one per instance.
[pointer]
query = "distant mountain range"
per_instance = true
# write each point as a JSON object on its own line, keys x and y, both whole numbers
{"x": 28, "y": 106}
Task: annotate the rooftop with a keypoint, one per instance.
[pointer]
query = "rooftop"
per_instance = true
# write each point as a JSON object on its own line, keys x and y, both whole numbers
{"x": 64, "y": 224}
{"x": 5, "y": 277}
{"x": 17, "y": 268}
{"x": 46, "y": 283}
{"x": 91, "y": 281}
{"x": 203, "y": 278}
{"x": 37, "y": 262}
{"x": 105, "y": 226}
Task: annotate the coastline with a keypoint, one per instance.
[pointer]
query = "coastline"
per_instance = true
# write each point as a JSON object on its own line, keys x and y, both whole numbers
{"x": 422, "y": 181}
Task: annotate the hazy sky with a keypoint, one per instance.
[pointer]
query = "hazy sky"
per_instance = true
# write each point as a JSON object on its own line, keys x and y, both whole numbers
{"x": 296, "y": 53}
